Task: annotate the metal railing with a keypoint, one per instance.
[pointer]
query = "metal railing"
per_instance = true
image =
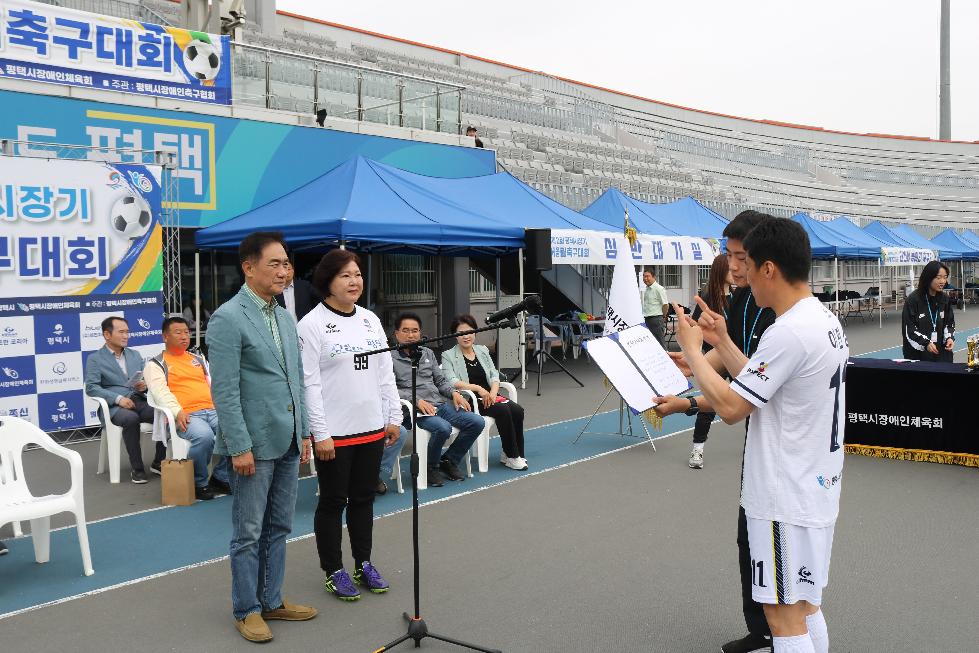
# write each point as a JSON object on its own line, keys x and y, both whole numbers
{"x": 408, "y": 279}
{"x": 277, "y": 79}
{"x": 480, "y": 287}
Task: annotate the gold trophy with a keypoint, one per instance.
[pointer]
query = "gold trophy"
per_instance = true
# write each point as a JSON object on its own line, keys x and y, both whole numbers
{"x": 972, "y": 343}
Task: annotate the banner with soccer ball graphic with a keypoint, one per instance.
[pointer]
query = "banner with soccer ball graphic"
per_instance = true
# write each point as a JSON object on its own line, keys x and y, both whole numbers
{"x": 80, "y": 241}
{"x": 47, "y": 43}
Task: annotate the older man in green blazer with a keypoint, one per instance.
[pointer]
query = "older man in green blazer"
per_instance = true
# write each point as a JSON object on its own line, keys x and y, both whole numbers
{"x": 257, "y": 387}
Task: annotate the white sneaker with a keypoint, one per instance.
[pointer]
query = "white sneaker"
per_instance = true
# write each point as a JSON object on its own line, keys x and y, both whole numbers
{"x": 696, "y": 459}
{"x": 523, "y": 461}
{"x": 515, "y": 463}
{"x": 503, "y": 459}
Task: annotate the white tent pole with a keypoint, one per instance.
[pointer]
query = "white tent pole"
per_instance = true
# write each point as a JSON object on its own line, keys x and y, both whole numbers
{"x": 880, "y": 298}
{"x": 523, "y": 330}
{"x": 197, "y": 297}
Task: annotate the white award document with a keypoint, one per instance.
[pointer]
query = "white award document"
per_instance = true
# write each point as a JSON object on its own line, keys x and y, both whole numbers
{"x": 637, "y": 366}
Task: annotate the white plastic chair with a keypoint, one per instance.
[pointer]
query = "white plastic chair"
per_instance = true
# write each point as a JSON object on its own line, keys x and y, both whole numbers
{"x": 420, "y": 445}
{"x": 177, "y": 447}
{"x": 481, "y": 451}
{"x": 18, "y": 504}
{"x": 110, "y": 445}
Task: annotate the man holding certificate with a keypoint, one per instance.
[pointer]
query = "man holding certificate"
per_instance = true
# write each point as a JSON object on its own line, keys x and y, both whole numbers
{"x": 794, "y": 455}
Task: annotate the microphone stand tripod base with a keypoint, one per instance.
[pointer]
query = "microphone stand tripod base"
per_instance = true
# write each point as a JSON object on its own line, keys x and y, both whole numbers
{"x": 418, "y": 630}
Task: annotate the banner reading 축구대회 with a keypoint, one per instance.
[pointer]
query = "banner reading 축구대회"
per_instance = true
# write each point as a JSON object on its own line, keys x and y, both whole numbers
{"x": 79, "y": 241}
{"x": 47, "y": 43}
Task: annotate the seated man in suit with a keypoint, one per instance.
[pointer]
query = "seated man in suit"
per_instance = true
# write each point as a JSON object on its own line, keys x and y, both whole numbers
{"x": 181, "y": 381}
{"x": 298, "y": 297}
{"x": 115, "y": 373}
{"x": 440, "y": 406}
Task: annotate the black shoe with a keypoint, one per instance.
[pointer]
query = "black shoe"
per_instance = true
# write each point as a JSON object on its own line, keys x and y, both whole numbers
{"x": 203, "y": 493}
{"x": 451, "y": 470}
{"x": 219, "y": 487}
{"x": 382, "y": 487}
{"x": 138, "y": 477}
{"x": 155, "y": 468}
{"x": 3, "y": 549}
{"x": 750, "y": 643}
{"x": 434, "y": 477}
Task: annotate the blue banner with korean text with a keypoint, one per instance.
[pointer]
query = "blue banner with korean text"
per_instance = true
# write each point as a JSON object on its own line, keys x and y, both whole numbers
{"x": 46, "y": 43}
{"x": 79, "y": 241}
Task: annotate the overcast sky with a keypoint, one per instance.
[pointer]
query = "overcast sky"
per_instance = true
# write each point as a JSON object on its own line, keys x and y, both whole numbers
{"x": 852, "y": 65}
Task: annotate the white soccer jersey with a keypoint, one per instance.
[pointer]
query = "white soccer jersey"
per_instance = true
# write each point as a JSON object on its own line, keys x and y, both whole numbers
{"x": 793, "y": 459}
{"x": 347, "y": 398}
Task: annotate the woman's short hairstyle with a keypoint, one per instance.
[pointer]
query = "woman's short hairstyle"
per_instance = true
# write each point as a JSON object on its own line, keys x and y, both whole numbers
{"x": 329, "y": 267}
{"x": 459, "y": 320}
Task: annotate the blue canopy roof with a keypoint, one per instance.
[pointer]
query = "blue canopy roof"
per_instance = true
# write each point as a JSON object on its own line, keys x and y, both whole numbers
{"x": 953, "y": 241}
{"x": 684, "y": 217}
{"x": 370, "y": 205}
{"x": 917, "y": 240}
{"x": 846, "y": 227}
{"x": 827, "y": 242}
{"x": 970, "y": 237}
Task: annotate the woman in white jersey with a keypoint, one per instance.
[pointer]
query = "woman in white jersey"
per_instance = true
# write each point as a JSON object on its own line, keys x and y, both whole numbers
{"x": 353, "y": 409}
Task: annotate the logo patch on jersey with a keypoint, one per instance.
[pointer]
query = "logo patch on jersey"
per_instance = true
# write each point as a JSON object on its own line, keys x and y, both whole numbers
{"x": 826, "y": 482}
{"x": 804, "y": 575}
{"x": 759, "y": 371}
{"x": 331, "y": 328}
{"x": 195, "y": 362}
{"x": 368, "y": 325}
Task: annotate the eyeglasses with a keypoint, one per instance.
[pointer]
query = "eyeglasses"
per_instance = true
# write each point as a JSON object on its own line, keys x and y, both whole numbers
{"x": 410, "y": 331}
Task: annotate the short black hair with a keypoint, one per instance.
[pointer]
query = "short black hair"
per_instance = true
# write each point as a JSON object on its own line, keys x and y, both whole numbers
{"x": 407, "y": 315}
{"x": 252, "y": 245}
{"x": 174, "y": 319}
{"x": 459, "y": 320}
{"x": 652, "y": 271}
{"x": 783, "y": 242}
{"x": 928, "y": 275}
{"x": 743, "y": 223}
{"x": 107, "y": 323}
{"x": 470, "y": 128}
{"x": 329, "y": 267}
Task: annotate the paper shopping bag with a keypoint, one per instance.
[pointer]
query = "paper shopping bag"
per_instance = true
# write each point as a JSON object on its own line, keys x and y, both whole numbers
{"x": 178, "y": 482}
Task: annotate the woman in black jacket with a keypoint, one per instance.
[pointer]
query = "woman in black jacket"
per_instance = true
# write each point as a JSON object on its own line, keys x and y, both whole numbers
{"x": 928, "y": 323}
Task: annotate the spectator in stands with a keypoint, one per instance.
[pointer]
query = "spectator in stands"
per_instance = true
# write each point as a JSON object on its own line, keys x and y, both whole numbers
{"x": 468, "y": 366}
{"x": 298, "y": 297}
{"x": 928, "y": 321}
{"x": 436, "y": 414}
{"x": 257, "y": 380}
{"x": 655, "y": 306}
{"x": 472, "y": 133}
{"x": 115, "y": 373}
{"x": 717, "y": 295}
{"x": 354, "y": 409}
{"x": 181, "y": 381}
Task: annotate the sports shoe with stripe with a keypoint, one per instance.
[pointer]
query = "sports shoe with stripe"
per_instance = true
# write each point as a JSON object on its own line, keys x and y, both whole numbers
{"x": 339, "y": 584}
{"x": 368, "y": 576}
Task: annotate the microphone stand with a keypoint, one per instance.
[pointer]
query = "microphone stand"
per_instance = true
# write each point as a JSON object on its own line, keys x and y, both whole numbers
{"x": 417, "y": 628}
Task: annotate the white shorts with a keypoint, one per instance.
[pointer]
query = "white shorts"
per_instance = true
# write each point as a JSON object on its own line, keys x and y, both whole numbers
{"x": 789, "y": 563}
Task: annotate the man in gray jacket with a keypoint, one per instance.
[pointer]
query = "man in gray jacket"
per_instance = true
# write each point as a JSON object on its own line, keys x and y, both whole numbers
{"x": 436, "y": 414}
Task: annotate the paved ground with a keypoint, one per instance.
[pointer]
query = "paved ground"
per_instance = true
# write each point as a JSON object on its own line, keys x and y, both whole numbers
{"x": 626, "y": 551}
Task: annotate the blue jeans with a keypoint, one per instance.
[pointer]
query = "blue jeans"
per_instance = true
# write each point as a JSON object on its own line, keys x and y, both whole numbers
{"x": 440, "y": 425}
{"x": 201, "y": 429}
{"x": 261, "y": 519}
{"x": 391, "y": 454}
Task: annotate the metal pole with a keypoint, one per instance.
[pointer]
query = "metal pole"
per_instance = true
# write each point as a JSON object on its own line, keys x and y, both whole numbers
{"x": 360, "y": 97}
{"x": 523, "y": 331}
{"x": 498, "y": 356}
{"x": 459, "y": 114}
{"x": 316, "y": 89}
{"x": 944, "y": 74}
{"x": 197, "y": 297}
{"x": 370, "y": 266}
{"x": 438, "y": 118}
{"x": 268, "y": 80}
{"x": 401, "y": 103}
{"x": 880, "y": 298}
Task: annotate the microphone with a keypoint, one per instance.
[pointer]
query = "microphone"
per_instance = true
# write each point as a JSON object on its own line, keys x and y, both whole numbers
{"x": 531, "y": 304}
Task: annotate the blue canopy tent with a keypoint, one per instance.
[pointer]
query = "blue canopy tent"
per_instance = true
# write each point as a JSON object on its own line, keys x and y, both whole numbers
{"x": 829, "y": 243}
{"x": 684, "y": 217}
{"x": 914, "y": 239}
{"x": 965, "y": 251}
{"x": 374, "y": 207}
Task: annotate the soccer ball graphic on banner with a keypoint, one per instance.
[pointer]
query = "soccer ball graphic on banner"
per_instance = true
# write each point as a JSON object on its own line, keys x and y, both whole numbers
{"x": 130, "y": 216}
{"x": 201, "y": 60}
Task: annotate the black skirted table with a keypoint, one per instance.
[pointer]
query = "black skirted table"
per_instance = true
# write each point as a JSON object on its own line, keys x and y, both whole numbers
{"x": 912, "y": 411}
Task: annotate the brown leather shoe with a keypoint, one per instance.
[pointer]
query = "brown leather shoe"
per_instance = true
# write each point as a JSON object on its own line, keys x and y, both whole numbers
{"x": 253, "y": 628}
{"x": 291, "y": 612}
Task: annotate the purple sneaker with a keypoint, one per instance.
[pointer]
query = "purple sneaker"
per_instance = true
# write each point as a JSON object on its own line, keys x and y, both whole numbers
{"x": 339, "y": 584}
{"x": 368, "y": 576}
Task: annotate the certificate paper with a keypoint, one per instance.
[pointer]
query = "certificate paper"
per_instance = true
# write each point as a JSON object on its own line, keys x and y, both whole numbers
{"x": 637, "y": 366}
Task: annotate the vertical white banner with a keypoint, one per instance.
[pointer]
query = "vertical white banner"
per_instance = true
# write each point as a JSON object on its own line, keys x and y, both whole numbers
{"x": 624, "y": 303}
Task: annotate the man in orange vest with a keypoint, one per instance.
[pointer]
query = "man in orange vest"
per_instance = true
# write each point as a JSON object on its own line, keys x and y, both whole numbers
{"x": 181, "y": 381}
